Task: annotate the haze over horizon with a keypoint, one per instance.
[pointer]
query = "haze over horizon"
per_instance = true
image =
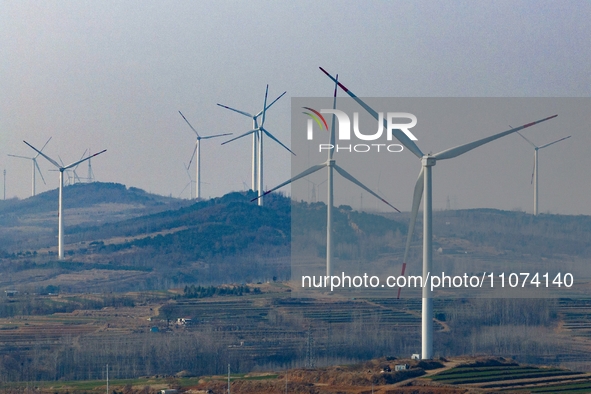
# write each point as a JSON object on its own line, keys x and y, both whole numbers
{"x": 113, "y": 75}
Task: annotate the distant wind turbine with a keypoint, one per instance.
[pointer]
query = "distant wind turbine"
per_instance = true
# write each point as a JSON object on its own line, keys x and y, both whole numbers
{"x": 197, "y": 151}
{"x": 35, "y": 167}
{"x": 315, "y": 186}
{"x": 424, "y": 182}
{"x": 188, "y": 185}
{"x": 330, "y": 164}
{"x": 257, "y": 143}
{"x": 534, "y": 175}
{"x": 61, "y": 169}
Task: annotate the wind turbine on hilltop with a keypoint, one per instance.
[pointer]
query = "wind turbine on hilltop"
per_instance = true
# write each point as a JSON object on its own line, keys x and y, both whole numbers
{"x": 71, "y": 174}
{"x": 257, "y": 143}
{"x": 61, "y": 169}
{"x": 35, "y": 167}
{"x": 331, "y": 164}
{"x": 534, "y": 175}
{"x": 424, "y": 183}
{"x": 197, "y": 151}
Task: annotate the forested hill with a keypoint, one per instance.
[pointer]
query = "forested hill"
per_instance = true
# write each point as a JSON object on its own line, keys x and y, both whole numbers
{"x": 120, "y": 238}
{"x": 83, "y": 195}
{"x": 214, "y": 241}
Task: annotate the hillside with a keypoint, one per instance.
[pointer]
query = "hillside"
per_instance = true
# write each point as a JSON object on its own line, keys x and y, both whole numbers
{"x": 121, "y": 239}
{"x": 214, "y": 241}
{"x": 31, "y": 223}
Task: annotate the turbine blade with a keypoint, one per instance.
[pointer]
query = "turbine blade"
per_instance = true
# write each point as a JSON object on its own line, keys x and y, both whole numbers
{"x": 193, "y": 155}
{"x": 23, "y": 157}
{"x": 86, "y": 158}
{"x": 269, "y": 106}
{"x": 458, "y": 150}
{"x": 522, "y": 136}
{"x": 39, "y": 170}
{"x": 235, "y": 110}
{"x": 215, "y": 136}
{"x": 240, "y": 136}
{"x": 187, "y": 171}
{"x": 185, "y": 188}
{"x": 44, "y": 146}
{"x": 274, "y": 101}
{"x": 295, "y": 178}
{"x": 43, "y": 154}
{"x": 265, "y": 106}
{"x": 81, "y": 157}
{"x": 276, "y": 140}
{"x": 192, "y": 128}
{"x": 416, "y": 202}
{"x": 76, "y": 177}
{"x": 334, "y": 117}
{"x": 351, "y": 178}
{"x": 552, "y": 143}
{"x": 399, "y": 134}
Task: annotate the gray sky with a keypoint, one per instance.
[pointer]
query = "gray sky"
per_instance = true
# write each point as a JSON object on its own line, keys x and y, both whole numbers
{"x": 112, "y": 75}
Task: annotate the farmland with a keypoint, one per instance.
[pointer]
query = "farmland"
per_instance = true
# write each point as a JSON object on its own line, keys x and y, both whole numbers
{"x": 140, "y": 334}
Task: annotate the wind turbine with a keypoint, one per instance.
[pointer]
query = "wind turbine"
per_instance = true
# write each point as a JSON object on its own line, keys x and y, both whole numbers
{"x": 534, "y": 175}
{"x": 315, "y": 186}
{"x": 61, "y": 169}
{"x": 72, "y": 175}
{"x": 331, "y": 164}
{"x": 34, "y": 166}
{"x": 424, "y": 183}
{"x": 191, "y": 181}
{"x": 76, "y": 177}
{"x": 257, "y": 143}
{"x": 198, "y": 158}
{"x": 90, "y": 174}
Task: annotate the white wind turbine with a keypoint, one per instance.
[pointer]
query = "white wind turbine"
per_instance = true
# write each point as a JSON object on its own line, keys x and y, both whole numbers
{"x": 188, "y": 185}
{"x": 197, "y": 151}
{"x": 257, "y": 143}
{"x": 330, "y": 164}
{"x": 534, "y": 175}
{"x": 61, "y": 169}
{"x": 35, "y": 167}
{"x": 424, "y": 183}
{"x": 72, "y": 175}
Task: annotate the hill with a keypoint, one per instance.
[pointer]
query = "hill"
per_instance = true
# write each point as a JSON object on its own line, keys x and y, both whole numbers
{"x": 120, "y": 239}
{"x": 123, "y": 246}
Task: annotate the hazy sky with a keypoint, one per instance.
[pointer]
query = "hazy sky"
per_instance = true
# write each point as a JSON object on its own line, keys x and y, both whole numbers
{"x": 114, "y": 74}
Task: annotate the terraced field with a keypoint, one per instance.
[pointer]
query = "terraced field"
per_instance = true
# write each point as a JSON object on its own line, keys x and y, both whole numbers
{"x": 497, "y": 376}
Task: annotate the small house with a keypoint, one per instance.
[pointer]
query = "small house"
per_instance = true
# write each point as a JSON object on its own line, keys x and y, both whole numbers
{"x": 401, "y": 367}
{"x": 183, "y": 321}
{"x": 415, "y": 356}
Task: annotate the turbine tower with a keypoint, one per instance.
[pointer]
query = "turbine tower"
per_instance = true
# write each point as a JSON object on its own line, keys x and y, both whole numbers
{"x": 61, "y": 169}
{"x": 331, "y": 165}
{"x": 424, "y": 183}
{"x": 197, "y": 150}
{"x": 534, "y": 175}
{"x": 35, "y": 167}
{"x": 257, "y": 143}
